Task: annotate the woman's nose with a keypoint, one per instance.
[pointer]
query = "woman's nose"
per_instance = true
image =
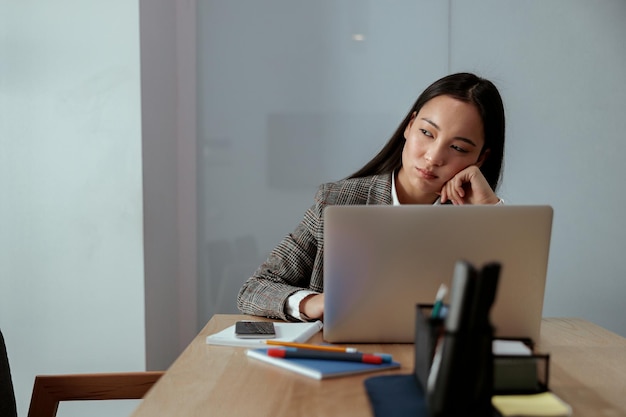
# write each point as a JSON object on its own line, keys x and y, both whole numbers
{"x": 435, "y": 155}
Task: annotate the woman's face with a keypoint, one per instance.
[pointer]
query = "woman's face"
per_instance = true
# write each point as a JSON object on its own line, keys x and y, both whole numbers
{"x": 445, "y": 137}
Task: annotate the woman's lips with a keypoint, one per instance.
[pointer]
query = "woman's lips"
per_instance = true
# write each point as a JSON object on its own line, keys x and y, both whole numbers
{"x": 429, "y": 175}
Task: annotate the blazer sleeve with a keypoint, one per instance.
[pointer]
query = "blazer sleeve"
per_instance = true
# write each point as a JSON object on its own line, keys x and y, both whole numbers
{"x": 295, "y": 264}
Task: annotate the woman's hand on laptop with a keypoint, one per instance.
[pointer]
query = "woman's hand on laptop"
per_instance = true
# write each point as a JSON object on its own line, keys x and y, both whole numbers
{"x": 468, "y": 186}
{"x": 312, "y": 306}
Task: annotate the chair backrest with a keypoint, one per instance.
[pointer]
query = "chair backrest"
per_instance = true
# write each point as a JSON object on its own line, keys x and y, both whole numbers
{"x": 49, "y": 390}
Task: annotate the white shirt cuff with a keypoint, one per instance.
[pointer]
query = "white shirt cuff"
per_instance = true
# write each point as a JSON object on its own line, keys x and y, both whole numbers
{"x": 293, "y": 304}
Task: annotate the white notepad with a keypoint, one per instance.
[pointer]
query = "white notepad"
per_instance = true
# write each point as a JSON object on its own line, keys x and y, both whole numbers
{"x": 285, "y": 332}
{"x": 502, "y": 347}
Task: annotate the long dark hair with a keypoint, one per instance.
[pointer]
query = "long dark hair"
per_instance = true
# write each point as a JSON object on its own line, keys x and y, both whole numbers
{"x": 465, "y": 87}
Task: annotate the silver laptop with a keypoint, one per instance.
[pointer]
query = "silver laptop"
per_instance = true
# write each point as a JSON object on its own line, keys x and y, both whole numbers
{"x": 380, "y": 261}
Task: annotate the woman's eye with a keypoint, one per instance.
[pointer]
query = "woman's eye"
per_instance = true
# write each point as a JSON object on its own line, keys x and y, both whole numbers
{"x": 459, "y": 149}
{"x": 426, "y": 133}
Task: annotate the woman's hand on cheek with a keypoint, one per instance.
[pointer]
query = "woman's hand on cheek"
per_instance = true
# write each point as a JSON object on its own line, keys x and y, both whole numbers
{"x": 468, "y": 186}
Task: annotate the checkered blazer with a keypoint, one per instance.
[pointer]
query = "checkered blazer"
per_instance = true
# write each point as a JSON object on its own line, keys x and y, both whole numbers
{"x": 297, "y": 262}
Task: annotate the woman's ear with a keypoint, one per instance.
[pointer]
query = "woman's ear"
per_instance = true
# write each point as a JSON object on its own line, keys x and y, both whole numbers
{"x": 482, "y": 157}
{"x": 408, "y": 125}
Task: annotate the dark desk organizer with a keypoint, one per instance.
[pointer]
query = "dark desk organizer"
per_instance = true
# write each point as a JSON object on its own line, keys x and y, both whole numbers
{"x": 515, "y": 374}
{"x": 427, "y": 332}
{"x": 464, "y": 370}
{"x": 472, "y": 373}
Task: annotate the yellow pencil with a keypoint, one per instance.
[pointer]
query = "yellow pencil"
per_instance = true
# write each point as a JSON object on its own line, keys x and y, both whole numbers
{"x": 330, "y": 348}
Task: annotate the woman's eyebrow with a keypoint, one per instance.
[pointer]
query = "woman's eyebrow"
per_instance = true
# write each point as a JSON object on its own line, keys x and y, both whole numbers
{"x": 466, "y": 140}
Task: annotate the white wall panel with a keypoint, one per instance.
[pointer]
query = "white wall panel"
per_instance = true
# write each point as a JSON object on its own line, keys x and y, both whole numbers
{"x": 71, "y": 250}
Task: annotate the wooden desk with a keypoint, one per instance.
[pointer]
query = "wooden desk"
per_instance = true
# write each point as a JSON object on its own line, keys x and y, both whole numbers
{"x": 587, "y": 370}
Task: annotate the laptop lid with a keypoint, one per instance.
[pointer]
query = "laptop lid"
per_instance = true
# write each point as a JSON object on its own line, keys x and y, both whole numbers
{"x": 380, "y": 261}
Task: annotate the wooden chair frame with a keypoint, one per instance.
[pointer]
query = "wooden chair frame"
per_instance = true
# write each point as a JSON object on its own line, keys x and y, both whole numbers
{"x": 49, "y": 390}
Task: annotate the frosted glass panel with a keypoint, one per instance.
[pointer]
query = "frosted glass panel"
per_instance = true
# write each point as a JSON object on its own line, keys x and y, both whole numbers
{"x": 293, "y": 94}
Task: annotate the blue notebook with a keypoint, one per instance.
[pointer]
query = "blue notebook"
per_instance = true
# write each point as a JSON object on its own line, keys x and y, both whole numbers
{"x": 320, "y": 368}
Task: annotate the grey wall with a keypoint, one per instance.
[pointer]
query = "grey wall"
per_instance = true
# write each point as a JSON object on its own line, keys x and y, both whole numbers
{"x": 561, "y": 68}
{"x": 287, "y": 100}
{"x": 168, "y": 71}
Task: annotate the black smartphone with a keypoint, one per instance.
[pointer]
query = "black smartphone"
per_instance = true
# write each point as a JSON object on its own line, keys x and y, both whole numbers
{"x": 255, "y": 329}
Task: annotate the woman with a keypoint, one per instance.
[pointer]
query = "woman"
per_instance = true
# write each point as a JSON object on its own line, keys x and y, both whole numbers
{"x": 448, "y": 149}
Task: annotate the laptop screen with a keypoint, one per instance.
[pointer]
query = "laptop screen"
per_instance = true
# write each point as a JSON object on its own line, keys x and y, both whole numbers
{"x": 381, "y": 261}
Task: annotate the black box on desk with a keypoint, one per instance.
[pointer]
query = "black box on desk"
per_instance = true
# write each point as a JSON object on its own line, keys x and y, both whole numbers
{"x": 512, "y": 374}
{"x": 521, "y": 374}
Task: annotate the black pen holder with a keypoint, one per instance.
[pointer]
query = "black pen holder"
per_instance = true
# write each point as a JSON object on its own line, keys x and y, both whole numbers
{"x": 454, "y": 369}
{"x": 428, "y": 330}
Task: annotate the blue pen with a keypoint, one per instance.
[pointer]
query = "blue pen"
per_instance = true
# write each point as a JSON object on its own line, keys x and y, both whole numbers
{"x": 326, "y": 355}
